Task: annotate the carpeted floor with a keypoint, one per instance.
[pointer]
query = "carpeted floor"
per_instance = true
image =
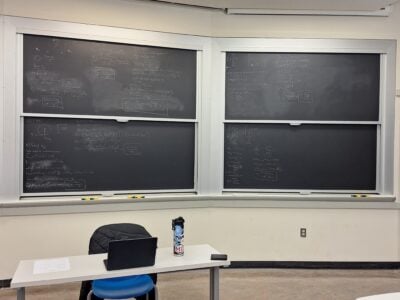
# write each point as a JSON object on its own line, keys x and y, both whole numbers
{"x": 255, "y": 284}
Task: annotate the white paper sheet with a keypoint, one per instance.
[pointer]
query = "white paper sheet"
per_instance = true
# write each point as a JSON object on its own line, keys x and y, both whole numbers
{"x": 51, "y": 265}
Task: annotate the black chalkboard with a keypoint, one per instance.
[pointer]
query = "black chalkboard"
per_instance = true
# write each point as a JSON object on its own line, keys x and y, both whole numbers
{"x": 280, "y": 156}
{"x": 70, "y": 155}
{"x": 302, "y": 86}
{"x": 70, "y": 76}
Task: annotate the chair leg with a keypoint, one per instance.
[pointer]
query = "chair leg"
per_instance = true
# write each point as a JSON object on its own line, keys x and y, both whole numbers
{"x": 89, "y": 295}
{"x": 155, "y": 294}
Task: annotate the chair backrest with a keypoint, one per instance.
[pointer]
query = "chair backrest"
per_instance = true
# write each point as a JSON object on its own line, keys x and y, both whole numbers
{"x": 121, "y": 231}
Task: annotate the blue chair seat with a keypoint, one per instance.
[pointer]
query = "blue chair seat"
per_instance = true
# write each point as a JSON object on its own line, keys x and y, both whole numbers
{"x": 123, "y": 287}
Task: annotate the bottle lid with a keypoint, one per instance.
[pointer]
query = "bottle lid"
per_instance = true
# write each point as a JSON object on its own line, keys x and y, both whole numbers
{"x": 178, "y": 221}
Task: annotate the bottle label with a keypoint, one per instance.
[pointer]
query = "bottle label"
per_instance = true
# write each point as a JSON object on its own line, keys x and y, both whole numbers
{"x": 178, "y": 240}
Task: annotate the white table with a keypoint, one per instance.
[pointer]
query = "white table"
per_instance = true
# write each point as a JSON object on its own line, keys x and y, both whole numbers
{"x": 389, "y": 296}
{"x": 89, "y": 267}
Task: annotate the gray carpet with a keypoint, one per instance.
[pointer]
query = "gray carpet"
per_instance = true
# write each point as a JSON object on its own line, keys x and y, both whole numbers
{"x": 255, "y": 284}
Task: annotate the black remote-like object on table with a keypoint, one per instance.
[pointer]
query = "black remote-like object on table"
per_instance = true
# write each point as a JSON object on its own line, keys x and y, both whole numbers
{"x": 219, "y": 257}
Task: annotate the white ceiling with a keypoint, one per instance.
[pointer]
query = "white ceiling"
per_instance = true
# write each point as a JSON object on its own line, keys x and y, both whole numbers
{"x": 341, "y": 5}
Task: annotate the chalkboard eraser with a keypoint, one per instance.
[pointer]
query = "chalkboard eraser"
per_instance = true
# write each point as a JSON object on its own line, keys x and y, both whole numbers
{"x": 305, "y": 193}
{"x": 295, "y": 123}
{"x": 107, "y": 194}
{"x": 122, "y": 120}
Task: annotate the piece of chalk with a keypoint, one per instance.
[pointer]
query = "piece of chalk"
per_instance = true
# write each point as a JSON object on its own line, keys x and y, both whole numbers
{"x": 89, "y": 198}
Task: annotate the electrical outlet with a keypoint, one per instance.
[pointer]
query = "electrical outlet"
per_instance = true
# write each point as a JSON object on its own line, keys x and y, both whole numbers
{"x": 303, "y": 232}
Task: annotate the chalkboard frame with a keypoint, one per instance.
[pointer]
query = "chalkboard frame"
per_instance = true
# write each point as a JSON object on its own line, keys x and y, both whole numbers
{"x": 199, "y": 45}
{"x": 299, "y": 122}
{"x": 385, "y": 125}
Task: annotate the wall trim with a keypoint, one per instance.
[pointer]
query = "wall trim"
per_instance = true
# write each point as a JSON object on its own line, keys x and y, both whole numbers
{"x": 64, "y": 206}
{"x": 347, "y": 265}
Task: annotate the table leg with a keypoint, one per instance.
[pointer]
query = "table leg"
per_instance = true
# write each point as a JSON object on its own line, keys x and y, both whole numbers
{"x": 21, "y": 293}
{"x": 214, "y": 283}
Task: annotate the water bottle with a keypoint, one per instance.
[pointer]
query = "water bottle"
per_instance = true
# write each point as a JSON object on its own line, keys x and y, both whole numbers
{"x": 178, "y": 235}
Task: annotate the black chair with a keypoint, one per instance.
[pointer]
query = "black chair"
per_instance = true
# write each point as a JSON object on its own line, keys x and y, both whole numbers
{"x": 99, "y": 244}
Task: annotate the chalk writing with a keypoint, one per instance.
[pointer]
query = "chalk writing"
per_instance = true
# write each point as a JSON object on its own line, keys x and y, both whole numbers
{"x": 302, "y": 86}
{"x": 79, "y": 154}
{"x": 89, "y": 77}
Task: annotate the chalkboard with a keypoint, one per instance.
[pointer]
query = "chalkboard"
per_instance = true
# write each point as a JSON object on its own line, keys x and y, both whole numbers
{"x": 280, "y": 156}
{"x": 302, "y": 86}
{"x": 70, "y": 155}
{"x": 70, "y": 76}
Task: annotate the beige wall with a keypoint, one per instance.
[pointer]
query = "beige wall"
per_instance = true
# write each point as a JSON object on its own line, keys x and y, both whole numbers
{"x": 245, "y": 234}
{"x": 310, "y": 27}
{"x": 118, "y": 13}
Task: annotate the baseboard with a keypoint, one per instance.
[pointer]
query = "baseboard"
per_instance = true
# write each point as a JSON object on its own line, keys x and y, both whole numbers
{"x": 314, "y": 265}
{"x": 5, "y": 283}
